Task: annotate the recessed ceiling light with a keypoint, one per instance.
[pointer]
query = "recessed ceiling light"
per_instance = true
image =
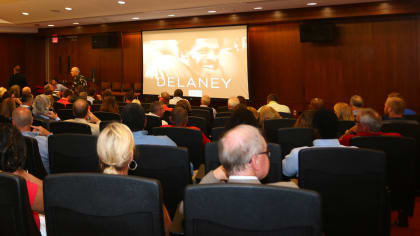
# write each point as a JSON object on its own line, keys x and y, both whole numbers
{"x": 135, "y": 18}
{"x": 25, "y": 13}
{"x": 311, "y": 3}
{"x": 171, "y": 15}
{"x": 75, "y": 23}
{"x": 212, "y": 11}
{"x": 68, "y": 8}
{"x": 121, "y": 2}
{"x": 51, "y": 25}
{"x": 258, "y": 8}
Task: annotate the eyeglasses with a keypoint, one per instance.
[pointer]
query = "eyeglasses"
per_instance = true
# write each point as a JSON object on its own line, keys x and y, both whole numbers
{"x": 268, "y": 153}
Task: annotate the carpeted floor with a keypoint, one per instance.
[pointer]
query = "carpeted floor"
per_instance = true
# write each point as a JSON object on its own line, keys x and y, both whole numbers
{"x": 413, "y": 223}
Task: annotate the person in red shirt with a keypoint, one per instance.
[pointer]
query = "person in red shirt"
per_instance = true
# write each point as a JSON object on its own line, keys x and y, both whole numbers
{"x": 179, "y": 118}
{"x": 368, "y": 123}
{"x": 164, "y": 98}
{"x": 67, "y": 95}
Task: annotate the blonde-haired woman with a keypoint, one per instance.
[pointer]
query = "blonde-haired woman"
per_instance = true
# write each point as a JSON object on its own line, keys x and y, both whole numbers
{"x": 115, "y": 149}
{"x": 41, "y": 109}
{"x": 267, "y": 113}
{"x": 343, "y": 111}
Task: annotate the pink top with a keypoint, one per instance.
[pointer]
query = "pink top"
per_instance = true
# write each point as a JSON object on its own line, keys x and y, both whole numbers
{"x": 32, "y": 190}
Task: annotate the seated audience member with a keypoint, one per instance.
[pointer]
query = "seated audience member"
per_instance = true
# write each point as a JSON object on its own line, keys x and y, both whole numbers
{"x": 240, "y": 116}
{"x": 83, "y": 115}
{"x": 316, "y": 104}
{"x": 136, "y": 101}
{"x": 109, "y": 104}
{"x": 184, "y": 104}
{"x": 91, "y": 95}
{"x": 3, "y": 90}
{"x": 15, "y": 94}
{"x": 179, "y": 118}
{"x": 394, "y": 111}
{"x": 7, "y": 107}
{"x": 205, "y": 102}
{"x": 13, "y": 160}
{"x": 156, "y": 110}
{"x": 272, "y": 101}
{"x": 27, "y": 100}
{"x": 164, "y": 98}
{"x": 106, "y": 93}
{"x": 41, "y": 109}
{"x": 407, "y": 111}
{"x": 267, "y": 113}
{"x": 57, "y": 86}
{"x": 133, "y": 116}
{"x": 177, "y": 97}
{"x": 130, "y": 96}
{"x": 368, "y": 123}
{"x": 26, "y": 90}
{"x": 343, "y": 111}
{"x": 242, "y": 100}
{"x": 66, "y": 98}
{"x": 48, "y": 91}
{"x": 244, "y": 158}
{"x": 356, "y": 103}
{"x": 254, "y": 111}
{"x": 232, "y": 103}
{"x": 305, "y": 119}
{"x": 325, "y": 125}
{"x": 116, "y": 155}
{"x": 22, "y": 119}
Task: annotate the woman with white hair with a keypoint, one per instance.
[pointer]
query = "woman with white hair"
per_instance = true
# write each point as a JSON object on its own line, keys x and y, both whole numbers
{"x": 115, "y": 149}
{"x": 41, "y": 109}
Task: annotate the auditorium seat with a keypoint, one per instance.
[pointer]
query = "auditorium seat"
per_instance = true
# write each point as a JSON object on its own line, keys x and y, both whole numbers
{"x": 199, "y": 122}
{"x": 185, "y": 137}
{"x": 72, "y": 153}
{"x": 271, "y": 126}
{"x": 211, "y": 158}
{"x": 170, "y": 166}
{"x": 401, "y": 154}
{"x": 16, "y": 215}
{"x": 33, "y": 162}
{"x": 202, "y": 113}
{"x": 217, "y": 133}
{"x": 152, "y": 121}
{"x": 344, "y": 125}
{"x": 222, "y": 109}
{"x": 104, "y": 124}
{"x": 286, "y": 115}
{"x": 220, "y": 121}
{"x": 243, "y": 209}
{"x": 209, "y": 109}
{"x": 99, "y": 204}
{"x": 57, "y": 106}
{"x": 38, "y": 122}
{"x": 352, "y": 185}
{"x": 223, "y": 114}
{"x": 290, "y": 138}
{"x": 65, "y": 114}
{"x": 69, "y": 127}
{"x": 107, "y": 116}
{"x": 95, "y": 107}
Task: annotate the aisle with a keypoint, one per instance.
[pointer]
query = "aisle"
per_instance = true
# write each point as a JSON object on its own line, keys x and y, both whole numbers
{"x": 413, "y": 223}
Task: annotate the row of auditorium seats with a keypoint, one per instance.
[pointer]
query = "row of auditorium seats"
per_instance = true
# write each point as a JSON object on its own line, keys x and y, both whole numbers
{"x": 121, "y": 89}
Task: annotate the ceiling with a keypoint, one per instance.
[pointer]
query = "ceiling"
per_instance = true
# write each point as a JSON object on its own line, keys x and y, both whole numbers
{"x": 52, "y": 12}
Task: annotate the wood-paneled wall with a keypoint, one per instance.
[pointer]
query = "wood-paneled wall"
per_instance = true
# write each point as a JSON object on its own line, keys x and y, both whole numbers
{"x": 25, "y": 50}
{"x": 371, "y": 57}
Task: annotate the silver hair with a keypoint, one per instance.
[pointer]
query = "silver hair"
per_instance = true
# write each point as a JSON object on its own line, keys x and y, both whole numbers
{"x": 371, "y": 119}
{"x": 41, "y": 105}
{"x": 233, "y": 102}
{"x": 238, "y": 146}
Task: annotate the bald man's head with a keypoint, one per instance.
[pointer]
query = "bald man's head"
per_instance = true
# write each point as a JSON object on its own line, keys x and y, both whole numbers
{"x": 238, "y": 146}
{"x": 22, "y": 117}
{"x": 74, "y": 71}
{"x": 80, "y": 108}
{"x": 26, "y": 90}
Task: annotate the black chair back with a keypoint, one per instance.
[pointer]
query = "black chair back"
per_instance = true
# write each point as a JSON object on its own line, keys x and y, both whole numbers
{"x": 198, "y": 122}
{"x": 290, "y": 138}
{"x": 170, "y": 166}
{"x": 146, "y": 106}
{"x": 95, "y": 107}
{"x": 104, "y": 124}
{"x": 222, "y": 109}
{"x": 344, "y": 125}
{"x": 16, "y": 215}
{"x": 351, "y": 182}
{"x": 67, "y": 127}
{"x": 58, "y": 106}
{"x": 73, "y": 153}
{"x": 33, "y": 161}
{"x": 286, "y": 115}
{"x": 185, "y": 137}
{"x": 38, "y": 122}
{"x": 401, "y": 156}
{"x": 225, "y": 209}
{"x": 98, "y": 204}
{"x": 217, "y": 133}
{"x": 211, "y": 158}
{"x": 65, "y": 114}
{"x": 209, "y": 109}
{"x": 220, "y": 121}
{"x": 107, "y": 116}
{"x": 271, "y": 126}
{"x": 152, "y": 121}
{"x": 202, "y": 113}
{"x": 223, "y": 114}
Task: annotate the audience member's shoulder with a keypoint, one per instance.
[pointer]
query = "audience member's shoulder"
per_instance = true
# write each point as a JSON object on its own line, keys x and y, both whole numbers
{"x": 289, "y": 184}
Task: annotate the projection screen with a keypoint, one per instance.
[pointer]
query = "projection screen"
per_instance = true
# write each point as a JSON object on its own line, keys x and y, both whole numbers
{"x": 200, "y": 61}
